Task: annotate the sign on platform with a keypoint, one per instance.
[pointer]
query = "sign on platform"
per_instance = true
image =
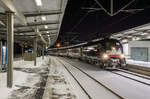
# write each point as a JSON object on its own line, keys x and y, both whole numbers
{"x": 3, "y": 56}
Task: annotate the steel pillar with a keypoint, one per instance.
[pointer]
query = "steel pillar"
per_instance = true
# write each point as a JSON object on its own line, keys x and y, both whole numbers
{"x": 35, "y": 50}
{"x": 22, "y": 50}
{"x": 80, "y": 51}
{"x": 43, "y": 52}
{"x": 39, "y": 54}
{"x": 111, "y": 8}
{"x": 0, "y": 51}
{"x": 10, "y": 48}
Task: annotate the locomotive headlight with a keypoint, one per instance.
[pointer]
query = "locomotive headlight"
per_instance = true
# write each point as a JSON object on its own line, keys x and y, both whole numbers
{"x": 105, "y": 56}
{"x": 113, "y": 48}
{"x": 122, "y": 56}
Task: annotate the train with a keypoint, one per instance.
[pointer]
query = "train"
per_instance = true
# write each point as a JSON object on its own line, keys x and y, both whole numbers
{"x": 106, "y": 53}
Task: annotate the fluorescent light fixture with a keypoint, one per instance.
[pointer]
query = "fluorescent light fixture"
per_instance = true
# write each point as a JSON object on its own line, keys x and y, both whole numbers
{"x": 46, "y": 26}
{"x": 118, "y": 35}
{"x": 90, "y": 48}
{"x": 38, "y": 2}
{"x": 143, "y": 33}
{"x": 43, "y": 18}
{"x": 136, "y": 38}
{"x": 129, "y": 36}
{"x": 148, "y": 37}
{"x": 4, "y": 47}
{"x": 125, "y": 40}
{"x": 47, "y": 32}
{"x": 130, "y": 32}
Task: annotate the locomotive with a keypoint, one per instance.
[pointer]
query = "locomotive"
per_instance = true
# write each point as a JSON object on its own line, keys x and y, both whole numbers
{"x": 106, "y": 53}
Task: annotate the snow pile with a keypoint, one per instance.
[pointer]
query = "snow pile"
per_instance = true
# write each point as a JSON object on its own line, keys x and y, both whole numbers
{"x": 26, "y": 79}
{"x": 138, "y": 63}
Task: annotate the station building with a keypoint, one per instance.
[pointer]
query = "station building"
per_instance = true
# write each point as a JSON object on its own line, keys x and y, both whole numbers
{"x": 137, "y": 50}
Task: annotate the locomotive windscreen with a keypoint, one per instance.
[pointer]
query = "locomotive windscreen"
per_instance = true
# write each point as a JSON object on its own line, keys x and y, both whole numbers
{"x": 110, "y": 45}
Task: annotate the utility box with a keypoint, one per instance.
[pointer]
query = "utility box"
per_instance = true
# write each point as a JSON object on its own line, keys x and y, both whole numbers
{"x": 29, "y": 56}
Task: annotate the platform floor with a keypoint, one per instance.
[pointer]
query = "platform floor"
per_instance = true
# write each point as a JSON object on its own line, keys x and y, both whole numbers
{"x": 138, "y": 63}
{"x": 63, "y": 78}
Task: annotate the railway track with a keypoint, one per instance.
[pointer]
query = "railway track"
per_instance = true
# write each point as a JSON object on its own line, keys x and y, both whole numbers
{"x": 89, "y": 77}
{"x": 76, "y": 80}
{"x": 132, "y": 76}
{"x": 136, "y": 74}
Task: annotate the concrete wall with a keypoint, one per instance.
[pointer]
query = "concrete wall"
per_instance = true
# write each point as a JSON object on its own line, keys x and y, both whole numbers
{"x": 127, "y": 47}
{"x": 126, "y": 50}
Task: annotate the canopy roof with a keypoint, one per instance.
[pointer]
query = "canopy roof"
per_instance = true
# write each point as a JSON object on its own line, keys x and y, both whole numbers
{"x": 45, "y": 17}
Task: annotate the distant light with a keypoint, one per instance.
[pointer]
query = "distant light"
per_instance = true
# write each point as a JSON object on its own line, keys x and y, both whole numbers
{"x": 46, "y": 47}
{"x": 90, "y": 48}
{"x": 95, "y": 50}
{"x": 105, "y": 56}
{"x": 43, "y": 18}
{"x": 113, "y": 48}
{"x": 122, "y": 56}
{"x": 38, "y": 2}
{"x": 47, "y": 32}
{"x": 58, "y": 44}
{"x": 46, "y": 26}
{"x": 26, "y": 46}
{"x": 48, "y": 35}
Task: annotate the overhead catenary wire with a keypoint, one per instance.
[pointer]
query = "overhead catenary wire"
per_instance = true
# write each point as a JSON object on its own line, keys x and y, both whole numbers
{"x": 121, "y": 10}
{"x": 81, "y": 19}
{"x": 102, "y": 7}
{"x": 124, "y": 7}
{"x": 123, "y": 18}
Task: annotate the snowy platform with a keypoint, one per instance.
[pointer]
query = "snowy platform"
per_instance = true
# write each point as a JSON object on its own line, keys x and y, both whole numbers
{"x": 27, "y": 80}
{"x": 140, "y": 67}
{"x": 138, "y": 63}
{"x": 51, "y": 80}
{"x": 44, "y": 81}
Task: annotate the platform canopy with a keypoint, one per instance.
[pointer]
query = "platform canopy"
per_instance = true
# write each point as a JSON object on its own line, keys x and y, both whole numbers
{"x": 43, "y": 15}
{"x": 137, "y": 33}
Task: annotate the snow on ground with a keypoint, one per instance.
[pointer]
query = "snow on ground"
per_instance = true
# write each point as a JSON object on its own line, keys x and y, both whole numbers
{"x": 26, "y": 79}
{"x": 94, "y": 89}
{"x": 58, "y": 83}
{"x": 127, "y": 88}
{"x": 29, "y": 64}
{"x": 138, "y": 63}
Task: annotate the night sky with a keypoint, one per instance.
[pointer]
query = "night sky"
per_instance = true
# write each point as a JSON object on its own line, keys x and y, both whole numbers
{"x": 79, "y": 24}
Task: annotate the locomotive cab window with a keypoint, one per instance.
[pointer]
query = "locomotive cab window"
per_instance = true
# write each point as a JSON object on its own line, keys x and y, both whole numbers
{"x": 113, "y": 46}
